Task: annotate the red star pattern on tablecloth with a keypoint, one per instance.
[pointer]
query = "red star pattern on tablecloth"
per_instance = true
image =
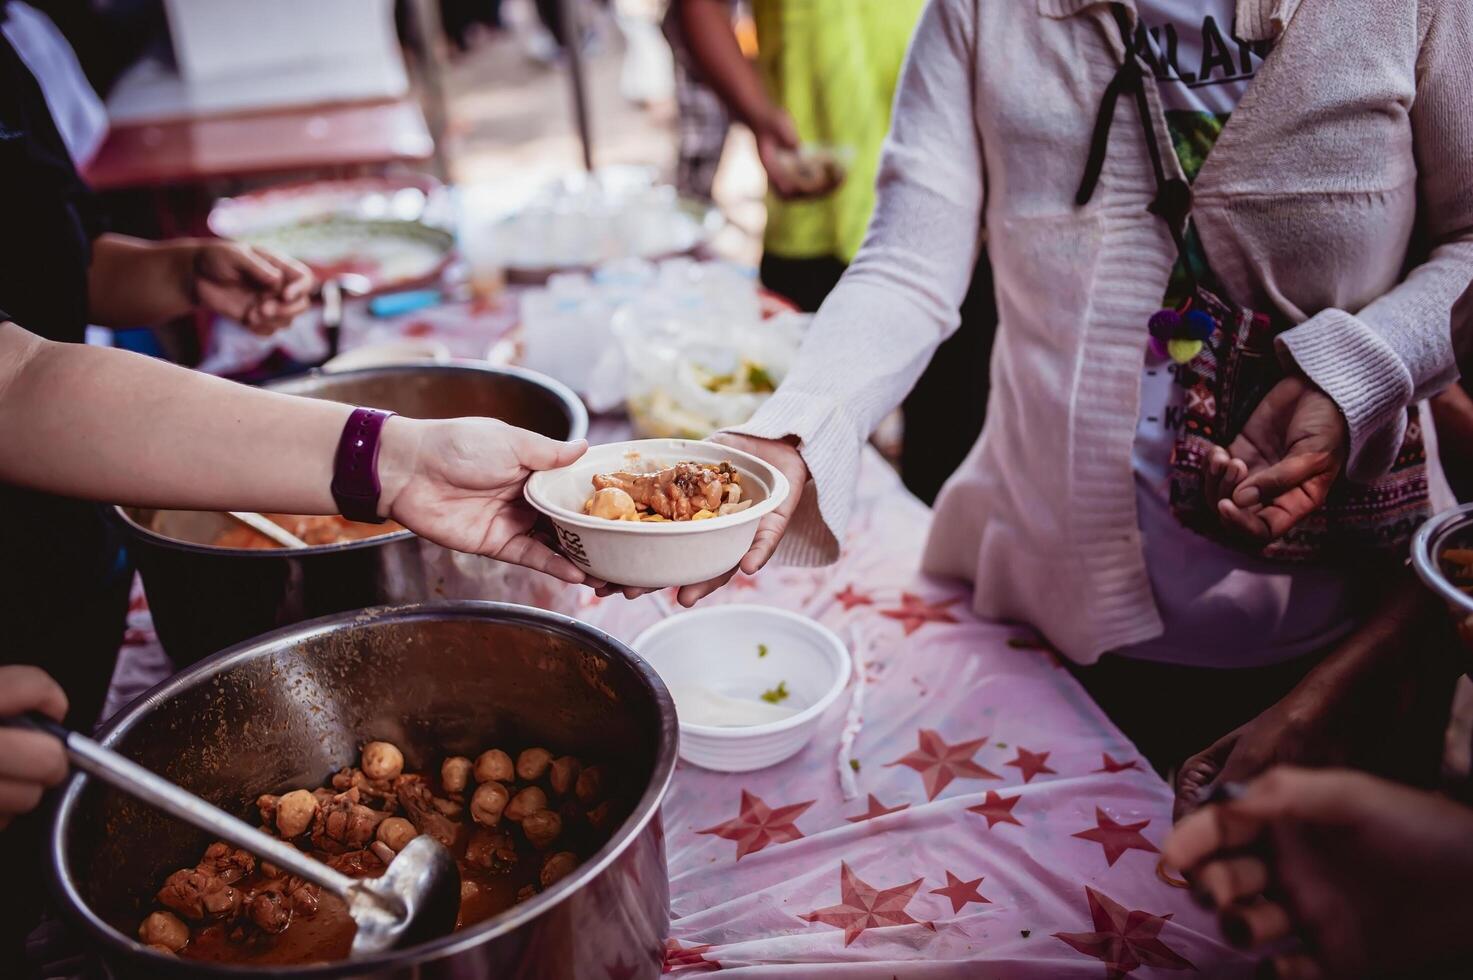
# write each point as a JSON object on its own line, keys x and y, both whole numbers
{"x": 1116, "y": 838}
{"x": 997, "y": 809}
{"x": 1031, "y": 764}
{"x": 915, "y": 612}
{"x": 1124, "y": 939}
{"x": 876, "y": 809}
{"x": 1111, "y": 765}
{"x": 756, "y": 825}
{"x": 939, "y": 763}
{"x": 849, "y": 598}
{"x": 687, "y": 959}
{"x": 862, "y": 906}
{"x": 960, "y": 892}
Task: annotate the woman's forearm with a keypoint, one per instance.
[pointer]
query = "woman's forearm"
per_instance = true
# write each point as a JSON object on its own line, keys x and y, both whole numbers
{"x": 713, "y": 44}
{"x": 148, "y": 433}
{"x": 134, "y": 283}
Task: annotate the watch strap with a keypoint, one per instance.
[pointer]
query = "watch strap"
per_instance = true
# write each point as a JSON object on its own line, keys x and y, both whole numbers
{"x": 355, "y": 483}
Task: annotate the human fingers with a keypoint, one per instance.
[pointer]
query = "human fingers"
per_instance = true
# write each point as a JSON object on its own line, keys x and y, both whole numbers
{"x": 1213, "y": 829}
{"x": 538, "y": 452}
{"x": 1243, "y": 520}
{"x": 31, "y": 757}
{"x": 1231, "y": 879}
{"x": 1290, "y": 473}
{"x": 689, "y": 595}
{"x": 17, "y": 797}
{"x": 227, "y": 260}
{"x": 297, "y": 281}
{"x": 27, "y": 688}
{"x": 1196, "y": 777}
{"x": 528, "y": 552}
{"x": 1246, "y": 925}
{"x": 1217, "y": 464}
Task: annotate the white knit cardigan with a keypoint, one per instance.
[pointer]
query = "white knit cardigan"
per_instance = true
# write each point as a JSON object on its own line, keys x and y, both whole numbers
{"x": 1356, "y": 132}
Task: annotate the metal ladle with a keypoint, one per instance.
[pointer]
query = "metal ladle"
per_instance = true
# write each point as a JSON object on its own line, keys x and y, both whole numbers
{"x": 415, "y": 900}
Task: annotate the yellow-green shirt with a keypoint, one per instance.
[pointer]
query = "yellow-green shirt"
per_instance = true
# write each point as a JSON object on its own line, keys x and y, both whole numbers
{"x": 833, "y": 65}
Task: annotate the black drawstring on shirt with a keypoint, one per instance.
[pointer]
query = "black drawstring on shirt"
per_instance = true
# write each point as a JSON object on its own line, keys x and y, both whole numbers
{"x": 1173, "y": 200}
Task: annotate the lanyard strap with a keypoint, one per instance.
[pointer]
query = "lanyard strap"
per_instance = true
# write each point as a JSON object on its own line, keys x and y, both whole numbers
{"x": 1173, "y": 200}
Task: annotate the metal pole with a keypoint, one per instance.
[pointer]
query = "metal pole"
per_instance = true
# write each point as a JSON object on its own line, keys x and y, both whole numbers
{"x": 572, "y": 49}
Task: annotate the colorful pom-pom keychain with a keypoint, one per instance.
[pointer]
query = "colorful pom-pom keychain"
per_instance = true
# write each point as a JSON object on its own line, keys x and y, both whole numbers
{"x": 1180, "y": 333}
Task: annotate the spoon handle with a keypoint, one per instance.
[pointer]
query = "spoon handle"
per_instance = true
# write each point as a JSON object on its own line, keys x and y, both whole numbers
{"x": 133, "y": 779}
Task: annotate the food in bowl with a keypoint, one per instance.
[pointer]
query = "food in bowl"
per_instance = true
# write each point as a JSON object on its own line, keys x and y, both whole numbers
{"x": 321, "y": 529}
{"x": 684, "y": 492}
{"x": 655, "y": 554}
{"x": 517, "y": 824}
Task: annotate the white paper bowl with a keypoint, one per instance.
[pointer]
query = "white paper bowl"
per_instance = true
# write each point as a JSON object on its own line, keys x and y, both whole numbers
{"x": 717, "y": 648}
{"x": 660, "y": 554}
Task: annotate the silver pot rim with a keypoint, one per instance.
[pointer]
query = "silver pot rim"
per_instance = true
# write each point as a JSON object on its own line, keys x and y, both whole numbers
{"x": 1427, "y": 547}
{"x": 571, "y": 403}
{"x": 77, "y": 909}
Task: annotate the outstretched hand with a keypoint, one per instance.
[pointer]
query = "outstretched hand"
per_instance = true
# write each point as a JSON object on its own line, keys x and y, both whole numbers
{"x": 1281, "y": 467}
{"x": 1373, "y": 878}
{"x": 459, "y": 482}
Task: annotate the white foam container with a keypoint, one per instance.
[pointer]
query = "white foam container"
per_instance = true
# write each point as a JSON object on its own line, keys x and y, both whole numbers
{"x": 654, "y": 555}
{"x": 717, "y": 648}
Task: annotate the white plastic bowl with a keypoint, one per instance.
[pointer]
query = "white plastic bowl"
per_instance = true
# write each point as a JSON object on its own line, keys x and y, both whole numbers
{"x": 717, "y": 648}
{"x": 661, "y": 554}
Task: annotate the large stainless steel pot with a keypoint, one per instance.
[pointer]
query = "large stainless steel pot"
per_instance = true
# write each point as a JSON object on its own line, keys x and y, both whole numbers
{"x": 205, "y": 598}
{"x": 288, "y": 709}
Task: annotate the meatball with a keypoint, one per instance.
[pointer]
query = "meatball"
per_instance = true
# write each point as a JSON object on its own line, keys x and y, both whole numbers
{"x": 295, "y": 812}
{"x": 397, "y": 832}
{"x": 598, "y": 817}
{"x": 382, "y": 760}
{"x": 613, "y": 504}
{"x": 564, "y": 775}
{"x": 494, "y": 764}
{"x": 557, "y": 867}
{"x": 532, "y": 764}
{"x": 589, "y": 785}
{"x": 164, "y": 929}
{"x": 488, "y": 804}
{"x": 525, "y": 803}
{"x": 455, "y": 773}
{"x": 542, "y": 828}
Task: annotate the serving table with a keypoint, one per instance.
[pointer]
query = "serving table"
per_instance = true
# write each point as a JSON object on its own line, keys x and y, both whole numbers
{"x": 975, "y": 815}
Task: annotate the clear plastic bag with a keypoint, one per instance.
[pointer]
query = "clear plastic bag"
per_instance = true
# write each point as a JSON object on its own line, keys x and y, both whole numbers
{"x": 688, "y": 377}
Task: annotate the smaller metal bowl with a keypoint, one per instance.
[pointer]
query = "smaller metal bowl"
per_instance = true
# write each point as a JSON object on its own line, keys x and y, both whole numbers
{"x": 1450, "y": 529}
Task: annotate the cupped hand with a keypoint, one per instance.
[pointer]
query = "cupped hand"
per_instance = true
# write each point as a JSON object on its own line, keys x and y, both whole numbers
{"x": 1373, "y": 878}
{"x": 1281, "y": 467}
{"x": 30, "y": 761}
{"x": 777, "y": 135}
{"x": 785, "y": 458}
{"x": 263, "y": 290}
{"x": 459, "y": 483}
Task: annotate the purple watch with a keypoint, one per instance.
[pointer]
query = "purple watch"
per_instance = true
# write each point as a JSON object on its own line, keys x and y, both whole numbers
{"x": 355, "y": 484}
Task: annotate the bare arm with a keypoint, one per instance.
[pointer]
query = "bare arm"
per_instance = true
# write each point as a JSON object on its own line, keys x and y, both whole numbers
{"x": 109, "y": 425}
{"x": 135, "y": 283}
{"x": 713, "y": 43}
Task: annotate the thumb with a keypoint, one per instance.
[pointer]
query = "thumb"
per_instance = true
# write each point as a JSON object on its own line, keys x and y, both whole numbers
{"x": 1199, "y": 774}
{"x": 1289, "y": 473}
{"x": 538, "y": 452}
